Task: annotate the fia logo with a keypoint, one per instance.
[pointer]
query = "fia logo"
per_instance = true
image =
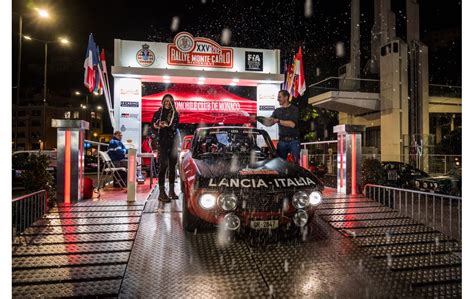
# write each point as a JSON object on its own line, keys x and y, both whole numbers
{"x": 253, "y": 61}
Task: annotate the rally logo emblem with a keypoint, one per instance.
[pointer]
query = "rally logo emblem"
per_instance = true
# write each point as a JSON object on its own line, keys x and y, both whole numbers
{"x": 145, "y": 56}
{"x": 184, "y": 41}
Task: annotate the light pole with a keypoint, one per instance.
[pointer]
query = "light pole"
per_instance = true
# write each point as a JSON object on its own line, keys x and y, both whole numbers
{"x": 63, "y": 41}
{"x": 43, "y": 14}
{"x": 86, "y": 108}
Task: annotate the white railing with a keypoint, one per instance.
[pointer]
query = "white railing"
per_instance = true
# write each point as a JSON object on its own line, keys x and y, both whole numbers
{"x": 439, "y": 211}
{"x": 99, "y": 144}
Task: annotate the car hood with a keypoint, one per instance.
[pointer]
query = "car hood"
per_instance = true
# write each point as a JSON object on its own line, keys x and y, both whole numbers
{"x": 273, "y": 174}
{"x": 441, "y": 178}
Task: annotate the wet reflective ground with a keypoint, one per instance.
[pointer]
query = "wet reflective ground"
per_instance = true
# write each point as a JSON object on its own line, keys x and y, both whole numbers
{"x": 354, "y": 248}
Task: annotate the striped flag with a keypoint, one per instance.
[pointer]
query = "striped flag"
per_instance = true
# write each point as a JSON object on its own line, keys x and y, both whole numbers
{"x": 299, "y": 82}
{"x": 91, "y": 78}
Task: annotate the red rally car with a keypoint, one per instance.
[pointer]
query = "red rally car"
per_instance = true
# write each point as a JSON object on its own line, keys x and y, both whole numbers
{"x": 232, "y": 176}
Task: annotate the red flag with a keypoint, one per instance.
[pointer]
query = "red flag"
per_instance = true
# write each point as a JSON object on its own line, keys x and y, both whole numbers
{"x": 300, "y": 84}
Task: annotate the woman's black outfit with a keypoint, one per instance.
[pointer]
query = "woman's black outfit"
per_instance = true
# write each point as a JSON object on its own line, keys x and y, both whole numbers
{"x": 168, "y": 141}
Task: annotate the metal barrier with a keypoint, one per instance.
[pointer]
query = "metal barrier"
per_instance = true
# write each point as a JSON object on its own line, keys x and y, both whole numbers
{"x": 99, "y": 144}
{"x": 27, "y": 209}
{"x": 439, "y": 211}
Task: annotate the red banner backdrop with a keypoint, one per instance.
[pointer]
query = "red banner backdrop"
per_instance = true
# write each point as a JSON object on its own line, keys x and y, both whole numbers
{"x": 209, "y": 104}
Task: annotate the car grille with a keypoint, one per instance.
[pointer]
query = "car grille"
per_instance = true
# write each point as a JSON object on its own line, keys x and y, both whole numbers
{"x": 264, "y": 202}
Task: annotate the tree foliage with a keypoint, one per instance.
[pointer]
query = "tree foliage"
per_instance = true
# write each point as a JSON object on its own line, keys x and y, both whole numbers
{"x": 36, "y": 176}
{"x": 372, "y": 172}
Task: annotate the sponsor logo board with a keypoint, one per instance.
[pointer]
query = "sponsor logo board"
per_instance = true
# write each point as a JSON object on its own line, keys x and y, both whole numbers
{"x": 129, "y": 104}
{"x": 145, "y": 56}
{"x": 254, "y": 61}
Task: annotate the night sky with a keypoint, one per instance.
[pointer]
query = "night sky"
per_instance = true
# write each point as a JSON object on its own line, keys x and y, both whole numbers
{"x": 254, "y": 24}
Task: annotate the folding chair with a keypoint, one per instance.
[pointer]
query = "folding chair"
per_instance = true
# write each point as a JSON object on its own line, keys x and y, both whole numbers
{"x": 110, "y": 171}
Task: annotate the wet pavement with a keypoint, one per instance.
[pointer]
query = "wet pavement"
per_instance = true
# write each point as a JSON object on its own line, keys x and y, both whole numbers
{"x": 355, "y": 248}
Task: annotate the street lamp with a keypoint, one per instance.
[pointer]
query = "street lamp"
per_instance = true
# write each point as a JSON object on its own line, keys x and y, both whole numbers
{"x": 60, "y": 40}
{"x": 42, "y": 13}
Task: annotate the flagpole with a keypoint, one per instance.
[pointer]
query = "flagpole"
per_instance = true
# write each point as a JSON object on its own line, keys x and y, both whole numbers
{"x": 107, "y": 96}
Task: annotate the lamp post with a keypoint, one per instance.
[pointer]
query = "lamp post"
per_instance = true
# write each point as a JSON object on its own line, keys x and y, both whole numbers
{"x": 63, "y": 41}
{"x": 43, "y": 14}
{"x": 86, "y": 108}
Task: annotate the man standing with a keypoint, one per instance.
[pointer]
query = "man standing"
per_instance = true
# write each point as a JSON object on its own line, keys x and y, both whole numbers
{"x": 165, "y": 121}
{"x": 286, "y": 116}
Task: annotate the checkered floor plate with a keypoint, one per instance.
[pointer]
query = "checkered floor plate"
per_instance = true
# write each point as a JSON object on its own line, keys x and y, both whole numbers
{"x": 354, "y": 248}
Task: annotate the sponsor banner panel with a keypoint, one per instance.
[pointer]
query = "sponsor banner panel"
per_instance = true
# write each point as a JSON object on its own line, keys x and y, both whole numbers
{"x": 266, "y": 103}
{"x": 127, "y": 106}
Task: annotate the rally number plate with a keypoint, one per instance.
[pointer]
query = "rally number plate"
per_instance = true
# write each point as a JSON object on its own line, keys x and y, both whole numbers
{"x": 264, "y": 224}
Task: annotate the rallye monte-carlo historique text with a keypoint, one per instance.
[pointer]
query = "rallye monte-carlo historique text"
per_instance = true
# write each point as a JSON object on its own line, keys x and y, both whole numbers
{"x": 231, "y": 176}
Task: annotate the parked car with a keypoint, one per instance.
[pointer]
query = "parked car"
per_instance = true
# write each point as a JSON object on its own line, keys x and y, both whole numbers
{"x": 449, "y": 183}
{"x": 402, "y": 175}
{"x": 233, "y": 177}
{"x": 19, "y": 160}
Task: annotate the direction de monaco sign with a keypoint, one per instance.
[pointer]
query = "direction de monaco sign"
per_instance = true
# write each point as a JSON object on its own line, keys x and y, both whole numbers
{"x": 187, "y": 50}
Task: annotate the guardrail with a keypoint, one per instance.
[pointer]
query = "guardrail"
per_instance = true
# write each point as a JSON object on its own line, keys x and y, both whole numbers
{"x": 99, "y": 144}
{"x": 439, "y": 211}
{"x": 27, "y": 209}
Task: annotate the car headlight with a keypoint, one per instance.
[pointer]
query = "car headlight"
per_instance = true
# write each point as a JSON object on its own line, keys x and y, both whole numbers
{"x": 207, "y": 201}
{"x": 417, "y": 184}
{"x": 300, "y": 200}
{"x": 435, "y": 185}
{"x": 227, "y": 201}
{"x": 425, "y": 185}
{"x": 315, "y": 198}
{"x": 300, "y": 218}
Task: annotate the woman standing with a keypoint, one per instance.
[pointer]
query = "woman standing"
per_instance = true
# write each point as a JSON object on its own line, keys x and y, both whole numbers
{"x": 166, "y": 121}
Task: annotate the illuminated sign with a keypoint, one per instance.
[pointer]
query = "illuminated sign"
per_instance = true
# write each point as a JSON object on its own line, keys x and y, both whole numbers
{"x": 198, "y": 52}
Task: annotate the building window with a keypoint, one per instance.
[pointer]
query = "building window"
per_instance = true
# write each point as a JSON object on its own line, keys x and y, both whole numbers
{"x": 93, "y": 114}
{"x": 21, "y": 123}
{"x": 395, "y": 47}
{"x": 76, "y": 115}
{"x": 99, "y": 115}
{"x": 372, "y": 137}
{"x": 67, "y": 114}
{"x": 21, "y": 134}
{"x": 386, "y": 50}
{"x": 21, "y": 113}
{"x": 36, "y": 113}
{"x": 35, "y": 123}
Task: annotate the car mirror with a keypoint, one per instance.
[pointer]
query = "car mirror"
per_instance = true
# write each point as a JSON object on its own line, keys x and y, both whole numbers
{"x": 187, "y": 142}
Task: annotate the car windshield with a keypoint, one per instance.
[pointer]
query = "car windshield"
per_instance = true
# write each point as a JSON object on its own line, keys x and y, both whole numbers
{"x": 233, "y": 141}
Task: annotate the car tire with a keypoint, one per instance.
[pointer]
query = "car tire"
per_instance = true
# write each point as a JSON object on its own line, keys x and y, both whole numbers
{"x": 190, "y": 222}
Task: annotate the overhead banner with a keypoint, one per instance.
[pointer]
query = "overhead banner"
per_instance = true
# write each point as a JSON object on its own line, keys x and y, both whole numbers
{"x": 202, "y": 104}
{"x": 188, "y": 50}
{"x": 195, "y": 53}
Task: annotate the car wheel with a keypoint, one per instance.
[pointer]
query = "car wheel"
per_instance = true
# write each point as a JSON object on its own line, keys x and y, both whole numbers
{"x": 190, "y": 222}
